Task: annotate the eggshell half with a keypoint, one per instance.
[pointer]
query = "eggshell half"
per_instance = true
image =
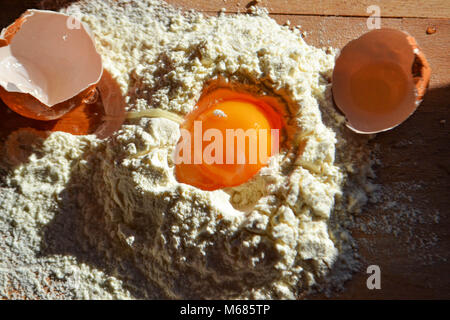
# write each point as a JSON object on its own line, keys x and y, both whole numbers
{"x": 384, "y": 59}
{"x": 49, "y": 56}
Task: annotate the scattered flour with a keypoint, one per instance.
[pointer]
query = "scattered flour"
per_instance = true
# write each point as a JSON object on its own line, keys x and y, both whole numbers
{"x": 88, "y": 218}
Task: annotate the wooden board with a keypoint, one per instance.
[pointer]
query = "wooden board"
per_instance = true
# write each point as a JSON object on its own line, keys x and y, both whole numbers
{"x": 417, "y": 152}
{"x": 355, "y": 8}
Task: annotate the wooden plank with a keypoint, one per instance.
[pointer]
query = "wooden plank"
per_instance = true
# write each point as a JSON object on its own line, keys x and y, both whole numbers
{"x": 358, "y": 8}
{"x": 337, "y": 31}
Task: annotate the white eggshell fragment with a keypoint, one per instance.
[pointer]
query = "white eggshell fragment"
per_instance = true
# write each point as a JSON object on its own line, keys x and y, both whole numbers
{"x": 52, "y": 57}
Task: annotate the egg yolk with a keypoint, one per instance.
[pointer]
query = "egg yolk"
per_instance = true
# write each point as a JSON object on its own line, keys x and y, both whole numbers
{"x": 230, "y": 137}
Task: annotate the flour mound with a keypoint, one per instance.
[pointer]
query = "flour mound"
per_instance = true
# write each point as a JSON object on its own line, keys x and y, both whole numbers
{"x": 278, "y": 235}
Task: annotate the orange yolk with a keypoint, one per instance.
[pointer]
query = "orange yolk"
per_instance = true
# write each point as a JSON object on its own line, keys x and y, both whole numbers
{"x": 233, "y": 144}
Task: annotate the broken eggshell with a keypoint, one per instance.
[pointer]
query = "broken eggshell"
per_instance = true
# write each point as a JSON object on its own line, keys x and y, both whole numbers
{"x": 48, "y": 65}
{"x": 379, "y": 80}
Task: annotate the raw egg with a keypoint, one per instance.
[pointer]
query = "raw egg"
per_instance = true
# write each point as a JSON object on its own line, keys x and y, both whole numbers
{"x": 379, "y": 80}
{"x": 226, "y": 140}
{"x": 48, "y": 65}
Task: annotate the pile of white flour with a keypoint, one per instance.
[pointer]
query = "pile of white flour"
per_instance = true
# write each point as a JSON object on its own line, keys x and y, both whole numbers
{"x": 88, "y": 218}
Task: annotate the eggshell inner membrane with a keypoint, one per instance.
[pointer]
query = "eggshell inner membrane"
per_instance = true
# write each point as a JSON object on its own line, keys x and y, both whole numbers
{"x": 51, "y": 57}
{"x": 373, "y": 83}
{"x": 114, "y": 106}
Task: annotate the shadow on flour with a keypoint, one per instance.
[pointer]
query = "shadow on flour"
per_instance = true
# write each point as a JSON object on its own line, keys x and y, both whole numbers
{"x": 82, "y": 233}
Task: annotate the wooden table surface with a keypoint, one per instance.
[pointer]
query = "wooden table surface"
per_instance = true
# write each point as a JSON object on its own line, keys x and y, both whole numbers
{"x": 417, "y": 152}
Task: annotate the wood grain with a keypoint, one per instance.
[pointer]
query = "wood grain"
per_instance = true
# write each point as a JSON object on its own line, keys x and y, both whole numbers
{"x": 356, "y": 8}
{"x": 417, "y": 152}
